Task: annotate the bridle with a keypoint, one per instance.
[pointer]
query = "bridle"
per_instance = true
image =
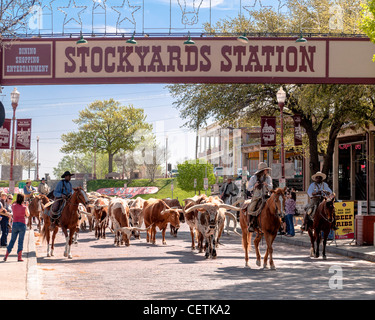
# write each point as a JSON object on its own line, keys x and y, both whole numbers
{"x": 277, "y": 212}
{"x": 324, "y": 210}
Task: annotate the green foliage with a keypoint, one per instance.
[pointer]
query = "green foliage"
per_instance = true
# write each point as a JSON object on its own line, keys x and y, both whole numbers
{"x": 194, "y": 169}
{"x": 367, "y": 22}
{"x": 107, "y": 127}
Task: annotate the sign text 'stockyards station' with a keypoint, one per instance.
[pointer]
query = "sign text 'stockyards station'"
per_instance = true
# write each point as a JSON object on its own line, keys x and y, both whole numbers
{"x": 169, "y": 60}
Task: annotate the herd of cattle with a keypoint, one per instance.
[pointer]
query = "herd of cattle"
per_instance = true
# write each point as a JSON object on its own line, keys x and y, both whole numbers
{"x": 205, "y": 216}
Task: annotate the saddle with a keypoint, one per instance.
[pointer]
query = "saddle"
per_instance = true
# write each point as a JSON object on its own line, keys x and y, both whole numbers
{"x": 257, "y": 210}
{"x": 55, "y": 213}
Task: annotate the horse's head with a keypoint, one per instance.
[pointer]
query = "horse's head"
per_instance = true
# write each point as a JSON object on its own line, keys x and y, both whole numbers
{"x": 329, "y": 207}
{"x": 81, "y": 195}
{"x": 278, "y": 198}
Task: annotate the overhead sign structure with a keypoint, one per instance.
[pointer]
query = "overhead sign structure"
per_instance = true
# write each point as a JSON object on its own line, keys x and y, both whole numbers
{"x": 169, "y": 60}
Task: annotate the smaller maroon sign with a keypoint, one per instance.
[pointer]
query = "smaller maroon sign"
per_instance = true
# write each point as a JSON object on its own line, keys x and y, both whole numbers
{"x": 5, "y": 134}
{"x": 27, "y": 60}
{"x": 268, "y": 131}
{"x": 297, "y": 130}
{"x": 23, "y": 138}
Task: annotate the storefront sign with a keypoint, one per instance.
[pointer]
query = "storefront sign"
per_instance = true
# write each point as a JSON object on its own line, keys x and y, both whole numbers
{"x": 23, "y": 137}
{"x": 344, "y": 212}
{"x": 168, "y": 60}
{"x": 268, "y": 131}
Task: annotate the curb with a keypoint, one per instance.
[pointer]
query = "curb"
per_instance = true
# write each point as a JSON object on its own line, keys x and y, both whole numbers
{"x": 32, "y": 279}
{"x": 331, "y": 249}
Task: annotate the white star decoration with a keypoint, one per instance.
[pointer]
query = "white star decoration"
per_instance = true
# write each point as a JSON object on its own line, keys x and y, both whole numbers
{"x": 126, "y": 12}
{"x": 73, "y": 12}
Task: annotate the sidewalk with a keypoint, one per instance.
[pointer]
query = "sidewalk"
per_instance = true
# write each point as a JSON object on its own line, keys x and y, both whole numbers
{"x": 19, "y": 280}
{"x": 345, "y": 247}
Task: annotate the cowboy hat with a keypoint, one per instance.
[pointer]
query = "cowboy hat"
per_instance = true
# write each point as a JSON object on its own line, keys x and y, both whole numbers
{"x": 318, "y": 174}
{"x": 262, "y": 166}
{"x": 67, "y": 173}
{"x": 28, "y": 180}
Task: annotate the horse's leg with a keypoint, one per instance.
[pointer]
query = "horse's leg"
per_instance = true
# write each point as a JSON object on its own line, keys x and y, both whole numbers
{"x": 53, "y": 239}
{"x": 245, "y": 244}
{"x": 318, "y": 238}
{"x": 271, "y": 239}
{"x": 312, "y": 240}
{"x": 256, "y": 245}
{"x": 47, "y": 236}
{"x": 72, "y": 231}
{"x": 326, "y": 232}
{"x": 265, "y": 259}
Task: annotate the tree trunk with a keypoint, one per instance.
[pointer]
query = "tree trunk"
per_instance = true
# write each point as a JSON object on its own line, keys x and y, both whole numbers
{"x": 110, "y": 162}
{"x": 313, "y": 147}
{"x": 328, "y": 157}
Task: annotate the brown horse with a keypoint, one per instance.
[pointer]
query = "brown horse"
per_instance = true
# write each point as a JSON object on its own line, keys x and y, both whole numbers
{"x": 67, "y": 221}
{"x": 323, "y": 222}
{"x": 269, "y": 222}
{"x": 36, "y": 209}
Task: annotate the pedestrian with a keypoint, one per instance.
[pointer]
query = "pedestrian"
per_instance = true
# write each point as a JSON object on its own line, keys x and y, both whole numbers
{"x": 43, "y": 187}
{"x": 290, "y": 209}
{"x": 20, "y": 213}
{"x": 5, "y": 220}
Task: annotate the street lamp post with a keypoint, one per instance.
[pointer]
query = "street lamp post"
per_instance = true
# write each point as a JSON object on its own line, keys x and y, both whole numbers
{"x": 281, "y": 95}
{"x": 14, "y": 97}
{"x": 37, "y": 158}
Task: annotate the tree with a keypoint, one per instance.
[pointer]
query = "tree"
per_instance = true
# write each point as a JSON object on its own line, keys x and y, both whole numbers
{"x": 367, "y": 22}
{"x": 107, "y": 127}
{"x": 324, "y": 109}
{"x": 13, "y": 16}
{"x": 194, "y": 169}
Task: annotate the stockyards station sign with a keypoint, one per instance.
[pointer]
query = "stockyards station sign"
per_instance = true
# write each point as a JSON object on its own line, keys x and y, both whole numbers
{"x": 169, "y": 60}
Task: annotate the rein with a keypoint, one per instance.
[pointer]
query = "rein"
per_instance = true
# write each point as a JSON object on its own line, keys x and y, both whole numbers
{"x": 277, "y": 213}
{"x": 326, "y": 217}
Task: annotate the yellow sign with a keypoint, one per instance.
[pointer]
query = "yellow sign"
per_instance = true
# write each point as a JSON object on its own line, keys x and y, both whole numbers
{"x": 344, "y": 212}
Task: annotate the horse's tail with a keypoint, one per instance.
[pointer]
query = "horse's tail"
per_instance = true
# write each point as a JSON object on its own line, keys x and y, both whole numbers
{"x": 248, "y": 246}
{"x": 43, "y": 233}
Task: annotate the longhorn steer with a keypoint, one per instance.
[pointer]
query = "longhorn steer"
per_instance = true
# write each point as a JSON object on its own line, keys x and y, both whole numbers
{"x": 100, "y": 212}
{"x": 175, "y": 204}
{"x": 158, "y": 214}
{"x": 210, "y": 222}
{"x": 136, "y": 214}
{"x": 118, "y": 212}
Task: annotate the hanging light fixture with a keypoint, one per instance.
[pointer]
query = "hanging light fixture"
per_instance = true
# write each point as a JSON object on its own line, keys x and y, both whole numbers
{"x": 131, "y": 40}
{"x": 243, "y": 38}
{"x": 82, "y": 41}
{"x": 301, "y": 38}
{"x": 189, "y": 41}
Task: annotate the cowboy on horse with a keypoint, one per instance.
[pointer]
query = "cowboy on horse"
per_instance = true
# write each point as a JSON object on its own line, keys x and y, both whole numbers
{"x": 63, "y": 191}
{"x": 317, "y": 191}
{"x": 260, "y": 184}
{"x": 28, "y": 191}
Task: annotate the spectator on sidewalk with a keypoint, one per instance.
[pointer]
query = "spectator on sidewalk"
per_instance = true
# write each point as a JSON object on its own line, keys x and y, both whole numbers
{"x": 290, "y": 209}
{"x": 20, "y": 213}
{"x": 5, "y": 220}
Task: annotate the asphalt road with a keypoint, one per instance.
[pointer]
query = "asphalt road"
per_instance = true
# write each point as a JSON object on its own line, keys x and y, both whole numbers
{"x": 99, "y": 270}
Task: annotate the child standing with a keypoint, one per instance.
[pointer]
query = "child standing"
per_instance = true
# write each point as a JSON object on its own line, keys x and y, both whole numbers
{"x": 290, "y": 207}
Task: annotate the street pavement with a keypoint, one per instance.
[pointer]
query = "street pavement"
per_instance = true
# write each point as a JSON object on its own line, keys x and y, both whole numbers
{"x": 20, "y": 280}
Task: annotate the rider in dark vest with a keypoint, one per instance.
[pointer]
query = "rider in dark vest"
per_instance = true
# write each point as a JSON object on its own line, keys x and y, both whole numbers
{"x": 63, "y": 190}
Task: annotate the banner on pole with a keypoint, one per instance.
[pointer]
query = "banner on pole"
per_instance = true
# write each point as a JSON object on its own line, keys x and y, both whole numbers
{"x": 268, "y": 131}
{"x": 5, "y": 134}
{"x": 297, "y": 130}
{"x": 23, "y": 137}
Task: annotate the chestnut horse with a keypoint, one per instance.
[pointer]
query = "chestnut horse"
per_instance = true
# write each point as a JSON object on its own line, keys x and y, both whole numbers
{"x": 323, "y": 222}
{"x": 36, "y": 209}
{"x": 269, "y": 222}
{"x": 67, "y": 221}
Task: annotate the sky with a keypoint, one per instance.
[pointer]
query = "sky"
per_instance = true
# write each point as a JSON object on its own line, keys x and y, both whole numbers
{"x": 52, "y": 108}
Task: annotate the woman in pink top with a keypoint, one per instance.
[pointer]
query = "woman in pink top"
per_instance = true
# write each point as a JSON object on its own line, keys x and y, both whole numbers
{"x": 20, "y": 212}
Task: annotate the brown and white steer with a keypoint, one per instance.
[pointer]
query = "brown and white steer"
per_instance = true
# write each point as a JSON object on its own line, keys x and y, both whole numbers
{"x": 118, "y": 213}
{"x": 158, "y": 214}
{"x": 136, "y": 214}
{"x": 210, "y": 222}
{"x": 175, "y": 204}
{"x": 100, "y": 212}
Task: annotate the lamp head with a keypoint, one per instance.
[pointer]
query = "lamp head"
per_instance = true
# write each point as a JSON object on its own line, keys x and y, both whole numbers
{"x": 281, "y": 95}
{"x": 15, "y": 96}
